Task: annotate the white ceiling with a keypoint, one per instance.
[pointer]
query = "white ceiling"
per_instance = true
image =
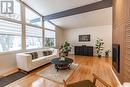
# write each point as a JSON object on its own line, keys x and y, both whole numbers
{"x": 46, "y": 7}
{"x": 93, "y": 18}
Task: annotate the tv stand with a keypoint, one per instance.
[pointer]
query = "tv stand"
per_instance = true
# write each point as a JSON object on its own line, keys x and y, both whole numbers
{"x": 84, "y": 50}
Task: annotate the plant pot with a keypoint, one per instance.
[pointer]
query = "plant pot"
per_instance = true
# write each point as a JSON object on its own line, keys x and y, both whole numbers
{"x": 106, "y": 55}
{"x": 62, "y": 58}
{"x": 99, "y": 56}
{"x": 66, "y": 53}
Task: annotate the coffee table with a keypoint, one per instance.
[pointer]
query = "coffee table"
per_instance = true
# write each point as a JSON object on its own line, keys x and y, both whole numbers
{"x": 62, "y": 64}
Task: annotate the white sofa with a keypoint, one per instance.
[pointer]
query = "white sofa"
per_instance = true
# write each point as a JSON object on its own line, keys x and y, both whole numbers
{"x": 26, "y": 63}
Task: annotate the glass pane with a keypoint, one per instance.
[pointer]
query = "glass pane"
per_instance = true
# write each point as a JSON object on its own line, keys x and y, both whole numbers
{"x": 34, "y": 32}
{"x": 10, "y": 36}
{"x": 49, "y": 42}
{"x": 16, "y": 8}
{"x": 9, "y": 43}
{"x": 49, "y": 38}
{"x": 48, "y": 25}
{"x": 10, "y": 28}
{"x": 34, "y": 37}
{"x": 33, "y": 18}
{"x": 33, "y": 42}
{"x": 49, "y": 33}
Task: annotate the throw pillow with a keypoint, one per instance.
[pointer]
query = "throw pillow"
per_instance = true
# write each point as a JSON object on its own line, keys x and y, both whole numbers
{"x": 34, "y": 55}
{"x": 45, "y": 53}
{"x": 40, "y": 54}
{"x": 49, "y": 52}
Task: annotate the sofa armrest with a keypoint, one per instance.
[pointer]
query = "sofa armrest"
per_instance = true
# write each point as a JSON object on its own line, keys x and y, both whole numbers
{"x": 24, "y": 61}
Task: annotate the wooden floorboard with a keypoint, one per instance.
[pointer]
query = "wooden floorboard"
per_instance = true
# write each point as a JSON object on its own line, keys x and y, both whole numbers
{"x": 87, "y": 66}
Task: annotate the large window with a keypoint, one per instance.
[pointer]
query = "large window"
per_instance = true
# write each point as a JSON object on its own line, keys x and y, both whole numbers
{"x": 21, "y": 30}
{"x": 10, "y": 36}
{"x": 33, "y": 37}
{"x": 49, "y": 35}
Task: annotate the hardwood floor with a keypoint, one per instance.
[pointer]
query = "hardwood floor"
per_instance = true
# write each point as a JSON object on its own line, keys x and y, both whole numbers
{"x": 87, "y": 66}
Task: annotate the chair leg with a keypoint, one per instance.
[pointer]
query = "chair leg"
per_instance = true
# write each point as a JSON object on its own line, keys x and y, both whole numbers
{"x": 94, "y": 80}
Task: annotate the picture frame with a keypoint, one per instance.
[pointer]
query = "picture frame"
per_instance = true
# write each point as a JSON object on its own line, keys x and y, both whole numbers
{"x": 84, "y": 38}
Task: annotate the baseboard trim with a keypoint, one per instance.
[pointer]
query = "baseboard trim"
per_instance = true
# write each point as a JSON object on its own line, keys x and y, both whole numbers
{"x": 117, "y": 80}
{"x": 8, "y": 71}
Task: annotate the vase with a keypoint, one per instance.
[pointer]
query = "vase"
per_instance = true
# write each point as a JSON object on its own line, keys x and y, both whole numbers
{"x": 62, "y": 58}
{"x": 106, "y": 55}
{"x": 66, "y": 53}
{"x": 99, "y": 55}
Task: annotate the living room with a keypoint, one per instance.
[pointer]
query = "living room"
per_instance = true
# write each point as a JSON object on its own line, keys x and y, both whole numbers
{"x": 47, "y": 43}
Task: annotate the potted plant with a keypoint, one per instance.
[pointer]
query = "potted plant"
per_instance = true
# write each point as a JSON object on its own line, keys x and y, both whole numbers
{"x": 62, "y": 56}
{"x": 99, "y": 46}
{"x": 65, "y": 49}
{"x": 107, "y": 53}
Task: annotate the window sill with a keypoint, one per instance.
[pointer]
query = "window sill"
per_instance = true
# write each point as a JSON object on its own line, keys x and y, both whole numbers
{"x": 27, "y": 50}
{"x": 10, "y": 52}
{"x": 18, "y": 51}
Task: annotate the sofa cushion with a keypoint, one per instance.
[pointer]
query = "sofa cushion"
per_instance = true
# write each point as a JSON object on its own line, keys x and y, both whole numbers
{"x": 34, "y": 55}
{"x": 40, "y": 61}
{"x": 47, "y": 52}
{"x": 40, "y": 54}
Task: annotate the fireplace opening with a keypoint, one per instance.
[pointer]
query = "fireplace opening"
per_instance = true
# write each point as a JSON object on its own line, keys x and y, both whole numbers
{"x": 116, "y": 57}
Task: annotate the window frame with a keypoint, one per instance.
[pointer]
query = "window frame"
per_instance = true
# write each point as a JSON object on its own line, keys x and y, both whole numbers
{"x": 14, "y": 21}
{"x": 33, "y": 25}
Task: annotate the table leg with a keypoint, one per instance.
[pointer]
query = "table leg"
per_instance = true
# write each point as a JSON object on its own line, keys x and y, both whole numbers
{"x": 57, "y": 70}
{"x": 56, "y": 66}
{"x": 69, "y": 66}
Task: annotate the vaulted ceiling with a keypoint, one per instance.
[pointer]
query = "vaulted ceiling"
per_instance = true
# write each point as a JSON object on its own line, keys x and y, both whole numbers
{"x": 92, "y": 18}
{"x": 88, "y": 19}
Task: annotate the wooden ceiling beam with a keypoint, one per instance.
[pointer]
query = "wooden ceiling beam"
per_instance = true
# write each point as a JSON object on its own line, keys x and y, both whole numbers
{"x": 87, "y": 8}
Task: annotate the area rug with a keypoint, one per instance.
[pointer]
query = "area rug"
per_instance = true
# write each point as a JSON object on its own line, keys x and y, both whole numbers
{"x": 11, "y": 78}
{"x": 52, "y": 74}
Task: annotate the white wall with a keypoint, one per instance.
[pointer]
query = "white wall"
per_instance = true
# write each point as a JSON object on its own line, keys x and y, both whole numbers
{"x": 7, "y": 60}
{"x": 59, "y": 37}
{"x": 104, "y": 32}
